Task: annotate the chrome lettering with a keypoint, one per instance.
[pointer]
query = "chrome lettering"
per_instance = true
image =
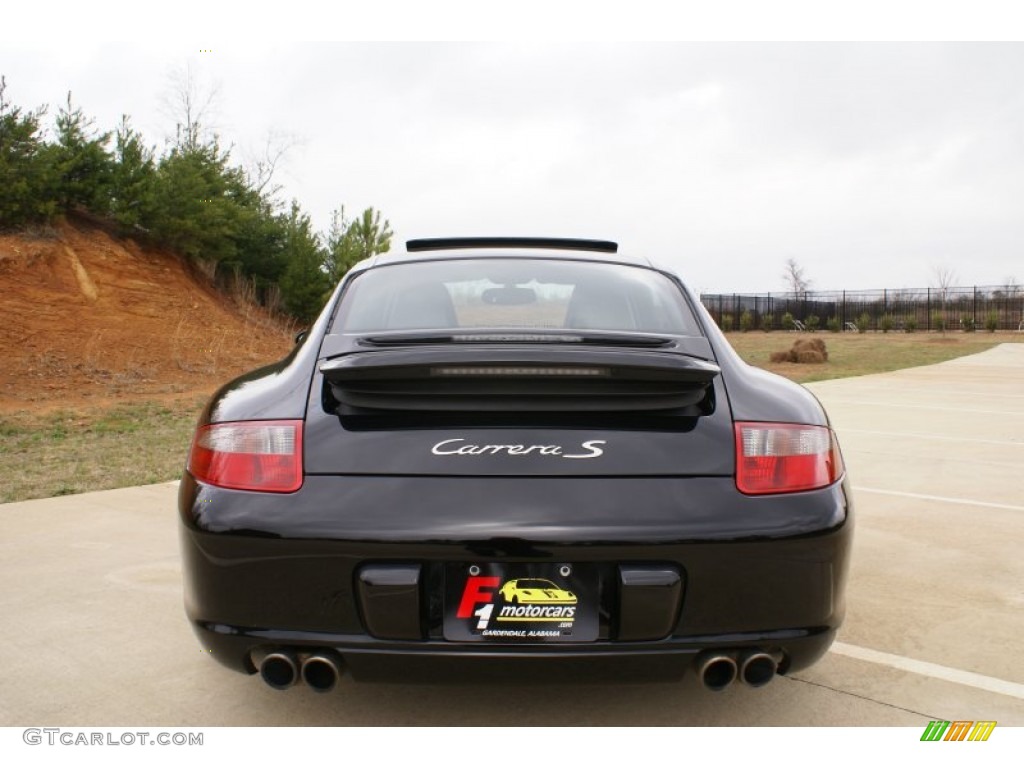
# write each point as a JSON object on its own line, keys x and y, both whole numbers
{"x": 457, "y": 446}
{"x": 590, "y": 445}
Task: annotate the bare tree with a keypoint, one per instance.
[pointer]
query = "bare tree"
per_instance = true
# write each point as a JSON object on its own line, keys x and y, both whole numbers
{"x": 943, "y": 277}
{"x": 192, "y": 105}
{"x": 1012, "y": 286}
{"x": 795, "y": 278}
{"x": 262, "y": 165}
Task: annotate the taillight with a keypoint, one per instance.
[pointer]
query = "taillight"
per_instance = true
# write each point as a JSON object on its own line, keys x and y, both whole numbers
{"x": 249, "y": 455}
{"x": 785, "y": 458}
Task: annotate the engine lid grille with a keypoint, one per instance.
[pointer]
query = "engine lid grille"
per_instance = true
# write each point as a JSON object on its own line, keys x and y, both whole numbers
{"x": 512, "y": 379}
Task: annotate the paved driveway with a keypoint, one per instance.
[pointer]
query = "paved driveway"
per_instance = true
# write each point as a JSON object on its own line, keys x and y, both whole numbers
{"x": 94, "y": 632}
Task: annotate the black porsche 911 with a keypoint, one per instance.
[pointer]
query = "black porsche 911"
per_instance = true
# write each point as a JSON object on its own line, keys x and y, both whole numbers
{"x": 519, "y": 454}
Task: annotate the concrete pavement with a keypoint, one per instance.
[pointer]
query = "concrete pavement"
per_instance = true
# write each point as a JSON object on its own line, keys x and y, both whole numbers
{"x": 94, "y": 631}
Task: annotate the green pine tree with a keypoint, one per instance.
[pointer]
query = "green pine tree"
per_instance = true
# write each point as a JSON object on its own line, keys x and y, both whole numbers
{"x": 351, "y": 241}
{"x": 305, "y": 281}
{"x": 132, "y": 198}
{"x": 83, "y": 166}
{"x": 199, "y": 203}
{"x": 26, "y": 176}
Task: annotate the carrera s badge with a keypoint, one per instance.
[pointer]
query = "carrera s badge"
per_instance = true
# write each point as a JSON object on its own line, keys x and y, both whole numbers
{"x": 457, "y": 446}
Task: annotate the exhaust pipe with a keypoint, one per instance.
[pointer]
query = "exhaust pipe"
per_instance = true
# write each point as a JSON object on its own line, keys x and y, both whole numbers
{"x": 279, "y": 670}
{"x": 321, "y": 671}
{"x": 716, "y": 671}
{"x": 757, "y": 669}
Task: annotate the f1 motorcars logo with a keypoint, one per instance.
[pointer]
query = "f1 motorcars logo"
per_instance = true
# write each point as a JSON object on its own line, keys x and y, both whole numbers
{"x": 524, "y": 603}
{"x": 958, "y": 730}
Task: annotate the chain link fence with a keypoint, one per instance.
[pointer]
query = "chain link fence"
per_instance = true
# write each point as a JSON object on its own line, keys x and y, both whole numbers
{"x": 971, "y": 308}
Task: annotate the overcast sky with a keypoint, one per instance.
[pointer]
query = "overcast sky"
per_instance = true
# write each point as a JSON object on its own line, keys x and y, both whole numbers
{"x": 870, "y": 164}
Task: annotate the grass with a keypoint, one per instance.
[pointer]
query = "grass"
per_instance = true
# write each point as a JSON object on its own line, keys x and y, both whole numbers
{"x": 72, "y": 452}
{"x": 853, "y": 354}
{"x": 77, "y": 451}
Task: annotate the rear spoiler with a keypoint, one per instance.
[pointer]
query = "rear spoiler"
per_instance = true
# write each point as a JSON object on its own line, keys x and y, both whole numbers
{"x": 558, "y": 243}
{"x": 515, "y": 379}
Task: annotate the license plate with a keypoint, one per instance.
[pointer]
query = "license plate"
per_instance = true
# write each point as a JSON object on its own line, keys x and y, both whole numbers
{"x": 521, "y": 603}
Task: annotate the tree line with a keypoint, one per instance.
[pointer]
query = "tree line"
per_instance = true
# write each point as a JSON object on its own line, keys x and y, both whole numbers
{"x": 191, "y": 197}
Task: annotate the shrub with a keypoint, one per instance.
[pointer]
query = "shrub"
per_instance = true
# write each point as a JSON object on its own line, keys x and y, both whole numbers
{"x": 746, "y": 321}
{"x": 726, "y": 322}
{"x": 886, "y": 323}
{"x": 863, "y": 323}
{"x": 812, "y": 322}
{"x": 787, "y": 321}
{"x": 833, "y": 324}
{"x": 992, "y": 322}
{"x": 938, "y": 321}
{"x": 910, "y": 325}
{"x": 766, "y": 322}
{"x": 967, "y": 323}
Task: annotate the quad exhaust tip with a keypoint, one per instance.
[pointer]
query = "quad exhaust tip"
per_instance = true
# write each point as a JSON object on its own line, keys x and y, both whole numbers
{"x": 718, "y": 670}
{"x": 279, "y": 670}
{"x": 321, "y": 671}
{"x": 757, "y": 669}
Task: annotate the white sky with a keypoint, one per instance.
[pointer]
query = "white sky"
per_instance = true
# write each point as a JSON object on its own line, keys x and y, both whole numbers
{"x": 870, "y": 164}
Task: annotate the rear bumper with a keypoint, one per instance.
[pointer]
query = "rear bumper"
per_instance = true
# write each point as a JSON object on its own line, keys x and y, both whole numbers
{"x": 442, "y": 662}
{"x": 264, "y": 572}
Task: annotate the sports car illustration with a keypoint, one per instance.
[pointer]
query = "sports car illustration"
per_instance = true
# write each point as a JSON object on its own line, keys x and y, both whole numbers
{"x": 536, "y": 591}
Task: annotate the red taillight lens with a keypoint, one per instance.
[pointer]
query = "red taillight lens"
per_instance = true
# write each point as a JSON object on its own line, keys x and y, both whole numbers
{"x": 784, "y": 458}
{"x": 249, "y": 455}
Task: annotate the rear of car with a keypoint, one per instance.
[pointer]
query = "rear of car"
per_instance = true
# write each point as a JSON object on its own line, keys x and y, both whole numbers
{"x": 514, "y": 454}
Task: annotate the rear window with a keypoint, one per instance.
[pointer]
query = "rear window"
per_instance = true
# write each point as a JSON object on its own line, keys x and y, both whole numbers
{"x": 513, "y": 293}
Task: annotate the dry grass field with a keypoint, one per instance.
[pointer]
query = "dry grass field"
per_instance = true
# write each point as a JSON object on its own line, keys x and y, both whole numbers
{"x": 853, "y": 354}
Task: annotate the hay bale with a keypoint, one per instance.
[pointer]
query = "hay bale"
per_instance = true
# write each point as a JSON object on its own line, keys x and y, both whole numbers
{"x": 815, "y": 345}
{"x": 806, "y": 351}
{"x": 811, "y": 356}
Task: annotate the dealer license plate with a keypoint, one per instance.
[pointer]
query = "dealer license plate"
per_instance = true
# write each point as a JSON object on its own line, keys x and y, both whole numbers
{"x": 521, "y": 602}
